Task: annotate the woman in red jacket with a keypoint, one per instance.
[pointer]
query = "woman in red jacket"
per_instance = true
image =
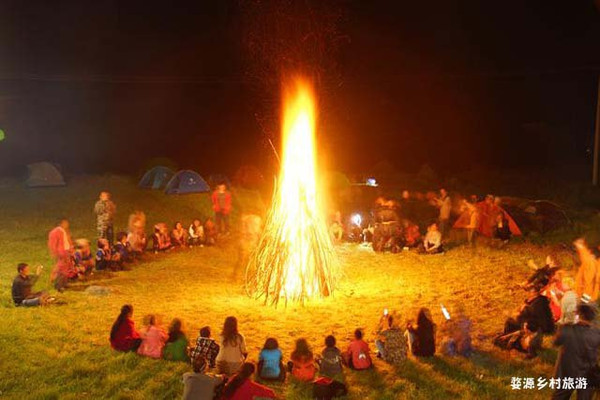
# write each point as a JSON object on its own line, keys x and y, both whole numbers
{"x": 123, "y": 336}
{"x": 302, "y": 364}
{"x": 241, "y": 387}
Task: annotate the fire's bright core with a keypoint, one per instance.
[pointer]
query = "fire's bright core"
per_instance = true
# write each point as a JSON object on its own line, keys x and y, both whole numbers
{"x": 295, "y": 259}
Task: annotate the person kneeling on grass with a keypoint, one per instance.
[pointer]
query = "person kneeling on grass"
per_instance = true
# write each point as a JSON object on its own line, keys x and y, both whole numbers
{"x": 270, "y": 366}
{"x": 232, "y": 353}
{"x": 21, "y": 288}
{"x": 123, "y": 335}
{"x": 105, "y": 260}
{"x": 206, "y": 347}
{"x": 392, "y": 344}
{"x": 153, "y": 338}
{"x": 177, "y": 343}
{"x": 122, "y": 251}
{"x": 358, "y": 355}
{"x": 241, "y": 387}
{"x": 330, "y": 362}
{"x": 196, "y": 233}
{"x": 302, "y": 364}
{"x": 199, "y": 385}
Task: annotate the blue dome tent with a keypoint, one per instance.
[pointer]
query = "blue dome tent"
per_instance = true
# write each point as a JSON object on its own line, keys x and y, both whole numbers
{"x": 187, "y": 181}
{"x": 156, "y": 178}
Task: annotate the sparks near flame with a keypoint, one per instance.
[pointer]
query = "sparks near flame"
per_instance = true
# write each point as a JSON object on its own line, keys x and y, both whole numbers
{"x": 294, "y": 259}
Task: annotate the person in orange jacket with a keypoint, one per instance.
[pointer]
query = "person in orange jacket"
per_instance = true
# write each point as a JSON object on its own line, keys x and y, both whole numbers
{"x": 221, "y": 202}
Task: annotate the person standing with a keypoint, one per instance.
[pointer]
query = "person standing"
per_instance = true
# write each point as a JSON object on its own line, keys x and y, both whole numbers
{"x": 105, "y": 212}
{"x": 578, "y": 353}
{"x": 221, "y": 202}
{"x": 444, "y": 203}
{"x": 21, "y": 287}
{"x": 60, "y": 246}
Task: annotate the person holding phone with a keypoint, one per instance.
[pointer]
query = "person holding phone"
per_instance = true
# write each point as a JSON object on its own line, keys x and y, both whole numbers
{"x": 22, "y": 287}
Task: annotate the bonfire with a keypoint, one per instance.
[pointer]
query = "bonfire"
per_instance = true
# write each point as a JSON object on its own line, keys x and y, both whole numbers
{"x": 294, "y": 259}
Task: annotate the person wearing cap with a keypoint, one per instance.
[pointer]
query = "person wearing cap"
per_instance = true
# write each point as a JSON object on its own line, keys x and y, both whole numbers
{"x": 578, "y": 352}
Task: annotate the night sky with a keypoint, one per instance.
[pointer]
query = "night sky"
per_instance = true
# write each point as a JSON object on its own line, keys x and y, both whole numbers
{"x": 105, "y": 86}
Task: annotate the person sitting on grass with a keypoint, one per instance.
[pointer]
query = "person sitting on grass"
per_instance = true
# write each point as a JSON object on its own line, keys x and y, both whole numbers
{"x": 456, "y": 335}
{"x": 241, "y": 387}
{"x": 528, "y": 340}
{"x": 123, "y": 335}
{"x": 196, "y": 233}
{"x": 22, "y": 294}
{"x": 302, "y": 362}
{"x": 153, "y": 338}
{"x": 421, "y": 339}
{"x": 535, "y": 312}
{"x": 411, "y": 234}
{"x": 104, "y": 257}
{"x": 232, "y": 353}
{"x": 121, "y": 250}
{"x": 358, "y": 355}
{"x": 270, "y": 366}
{"x": 330, "y": 362}
{"x": 84, "y": 261}
{"x": 178, "y": 235}
{"x": 391, "y": 345}
{"x": 210, "y": 232}
{"x": 199, "y": 385}
{"x": 177, "y": 343}
{"x": 136, "y": 237}
{"x": 206, "y": 347}
{"x": 432, "y": 244}
{"x": 161, "y": 240}
{"x": 502, "y": 230}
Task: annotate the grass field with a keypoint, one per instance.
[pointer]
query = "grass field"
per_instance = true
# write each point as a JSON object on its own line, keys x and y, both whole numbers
{"x": 62, "y": 351}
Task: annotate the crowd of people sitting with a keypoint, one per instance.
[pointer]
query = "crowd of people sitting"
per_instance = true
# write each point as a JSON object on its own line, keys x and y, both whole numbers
{"x": 231, "y": 374}
{"x": 556, "y": 300}
{"x": 396, "y": 225}
{"x": 75, "y": 260}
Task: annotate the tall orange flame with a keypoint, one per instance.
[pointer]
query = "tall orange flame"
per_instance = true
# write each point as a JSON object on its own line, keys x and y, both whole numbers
{"x": 295, "y": 259}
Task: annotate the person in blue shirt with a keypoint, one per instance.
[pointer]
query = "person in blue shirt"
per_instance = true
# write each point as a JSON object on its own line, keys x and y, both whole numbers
{"x": 270, "y": 366}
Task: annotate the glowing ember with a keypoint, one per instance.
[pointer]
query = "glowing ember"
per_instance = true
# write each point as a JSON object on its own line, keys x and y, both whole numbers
{"x": 294, "y": 259}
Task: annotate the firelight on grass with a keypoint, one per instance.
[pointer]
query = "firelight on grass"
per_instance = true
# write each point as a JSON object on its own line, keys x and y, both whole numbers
{"x": 294, "y": 259}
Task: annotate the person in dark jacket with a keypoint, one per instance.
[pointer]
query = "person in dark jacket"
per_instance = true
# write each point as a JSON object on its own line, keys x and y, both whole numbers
{"x": 535, "y": 312}
{"x": 21, "y": 288}
{"x": 578, "y": 352}
{"x": 422, "y": 337}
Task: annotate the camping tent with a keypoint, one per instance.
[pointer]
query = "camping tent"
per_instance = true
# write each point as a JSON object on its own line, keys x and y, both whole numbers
{"x": 536, "y": 215}
{"x": 186, "y": 181}
{"x": 44, "y": 174}
{"x": 156, "y": 178}
{"x": 249, "y": 177}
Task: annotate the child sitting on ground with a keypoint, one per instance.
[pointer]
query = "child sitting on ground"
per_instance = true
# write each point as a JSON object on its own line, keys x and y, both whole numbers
{"x": 331, "y": 358}
{"x": 177, "y": 343}
{"x": 121, "y": 249}
{"x": 153, "y": 338}
{"x": 196, "y": 233}
{"x": 178, "y": 235}
{"x": 84, "y": 261}
{"x": 358, "y": 355}
{"x": 199, "y": 385}
{"x": 302, "y": 364}
{"x": 104, "y": 257}
{"x": 206, "y": 347}
{"x": 270, "y": 366}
